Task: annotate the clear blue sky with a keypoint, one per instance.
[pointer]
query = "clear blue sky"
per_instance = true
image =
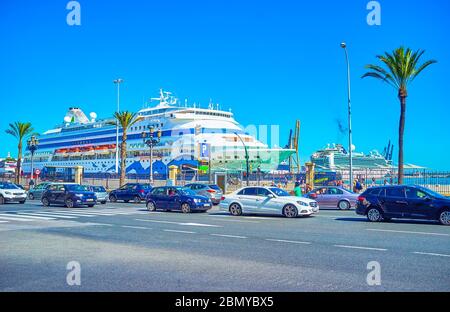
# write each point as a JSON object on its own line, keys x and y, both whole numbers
{"x": 272, "y": 62}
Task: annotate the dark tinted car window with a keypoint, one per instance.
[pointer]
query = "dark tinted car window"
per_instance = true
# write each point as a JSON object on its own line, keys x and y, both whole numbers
{"x": 263, "y": 192}
{"x": 98, "y": 189}
{"x": 395, "y": 192}
{"x": 374, "y": 191}
{"x": 159, "y": 191}
{"x": 335, "y": 191}
{"x": 414, "y": 193}
{"x": 251, "y": 191}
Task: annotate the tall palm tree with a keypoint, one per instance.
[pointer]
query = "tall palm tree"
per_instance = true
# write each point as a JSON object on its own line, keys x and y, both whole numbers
{"x": 19, "y": 130}
{"x": 125, "y": 120}
{"x": 401, "y": 68}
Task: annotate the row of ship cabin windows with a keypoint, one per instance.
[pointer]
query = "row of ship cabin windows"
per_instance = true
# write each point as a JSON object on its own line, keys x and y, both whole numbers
{"x": 143, "y": 128}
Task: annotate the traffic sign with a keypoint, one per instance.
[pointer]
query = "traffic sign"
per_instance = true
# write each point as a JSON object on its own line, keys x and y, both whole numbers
{"x": 205, "y": 150}
{"x": 37, "y": 172}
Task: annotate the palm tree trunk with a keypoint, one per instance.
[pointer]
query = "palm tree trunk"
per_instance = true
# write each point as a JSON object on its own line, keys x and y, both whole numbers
{"x": 123, "y": 158}
{"x": 19, "y": 162}
{"x": 400, "y": 138}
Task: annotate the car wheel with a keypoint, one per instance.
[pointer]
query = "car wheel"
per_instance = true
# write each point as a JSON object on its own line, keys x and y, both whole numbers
{"x": 2, "y": 200}
{"x": 137, "y": 199}
{"x": 126, "y": 201}
{"x": 236, "y": 209}
{"x": 374, "y": 215}
{"x": 151, "y": 206}
{"x": 344, "y": 205}
{"x": 185, "y": 208}
{"x": 45, "y": 202}
{"x": 112, "y": 199}
{"x": 290, "y": 211}
{"x": 69, "y": 203}
{"x": 31, "y": 196}
{"x": 444, "y": 217}
{"x": 22, "y": 202}
{"x": 91, "y": 206}
{"x": 103, "y": 202}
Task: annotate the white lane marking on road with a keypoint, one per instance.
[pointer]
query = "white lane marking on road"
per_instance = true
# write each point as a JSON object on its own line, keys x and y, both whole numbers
{"x": 135, "y": 227}
{"x": 430, "y": 254}
{"x": 14, "y": 219}
{"x": 24, "y": 214}
{"x": 75, "y": 214}
{"x": 44, "y": 214}
{"x": 102, "y": 224}
{"x": 408, "y": 232}
{"x": 183, "y": 232}
{"x": 3, "y": 221}
{"x": 358, "y": 247}
{"x": 229, "y": 219}
{"x": 287, "y": 241}
{"x": 180, "y": 223}
{"x": 229, "y": 236}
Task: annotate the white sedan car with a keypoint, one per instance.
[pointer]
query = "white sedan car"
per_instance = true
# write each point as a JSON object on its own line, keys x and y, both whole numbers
{"x": 268, "y": 200}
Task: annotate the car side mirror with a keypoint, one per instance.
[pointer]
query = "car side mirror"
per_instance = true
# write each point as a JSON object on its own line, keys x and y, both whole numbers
{"x": 427, "y": 198}
{"x": 271, "y": 196}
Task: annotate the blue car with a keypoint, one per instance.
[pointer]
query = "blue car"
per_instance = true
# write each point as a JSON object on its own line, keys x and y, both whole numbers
{"x": 403, "y": 202}
{"x": 69, "y": 195}
{"x": 135, "y": 192}
{"x": 177, "y": 198}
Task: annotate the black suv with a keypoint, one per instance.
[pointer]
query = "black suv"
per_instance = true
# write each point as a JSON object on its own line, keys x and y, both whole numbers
{"x": 131, "y": 191}
{"x": 70, "y": 195}
{"x": 403, "y": 201}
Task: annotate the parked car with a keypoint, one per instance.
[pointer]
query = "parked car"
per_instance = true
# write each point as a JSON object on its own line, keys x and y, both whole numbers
{"x": 177, "y": 198}
{"x": 136, "y": 192}
{"x": 403, "y": 202}
{"x": 101, "y": 193}
{"x": 268, "y": 200}
{"x": 70, "y": 195}
{"x": 9, "y": 192}
{"x": 212, "y": 191}
{"x": 37, "y": 191}
{"x": 334, "y": 197}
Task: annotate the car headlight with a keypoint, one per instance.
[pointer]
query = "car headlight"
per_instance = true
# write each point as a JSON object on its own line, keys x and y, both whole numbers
{"x": 8, "y": 193}
{"x": 79, "y": 195}
{"x": 196, "y": 200}
{"x": 302, "y": 203}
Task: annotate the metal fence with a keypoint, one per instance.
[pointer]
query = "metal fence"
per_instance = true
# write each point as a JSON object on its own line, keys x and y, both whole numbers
{"x": 438, "y": 181}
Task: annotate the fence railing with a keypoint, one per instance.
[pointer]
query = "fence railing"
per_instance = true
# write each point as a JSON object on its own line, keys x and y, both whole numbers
{"x": 438, "y": 181}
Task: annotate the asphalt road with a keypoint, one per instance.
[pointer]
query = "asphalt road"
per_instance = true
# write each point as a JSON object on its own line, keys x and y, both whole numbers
{"x": 122, "y": 247}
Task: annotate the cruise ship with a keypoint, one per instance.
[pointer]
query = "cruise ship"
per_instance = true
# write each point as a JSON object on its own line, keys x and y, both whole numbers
{"x": 335, "y": 157}
{"x": 91, "y": 143}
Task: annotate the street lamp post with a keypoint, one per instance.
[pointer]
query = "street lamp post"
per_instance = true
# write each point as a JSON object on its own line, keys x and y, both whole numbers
{"x": 32, "y": 145}
{"x": 150, "y": 140}
{"x": 350, "y": 143}
{"x": 117, "y": 82}
{"x": 246, "y": 159}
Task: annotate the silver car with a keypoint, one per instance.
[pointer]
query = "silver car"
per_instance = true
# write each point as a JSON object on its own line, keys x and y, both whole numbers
{"x": 212, "y": 191}
{"x": 101, "y": 193}
{"x": 36, "y": 192}
{"x": 334, "y": 197}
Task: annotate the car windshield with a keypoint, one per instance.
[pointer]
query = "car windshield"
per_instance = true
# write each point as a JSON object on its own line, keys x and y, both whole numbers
{"x": 186, "y": 191}
{"x": 8, "y": 186}
{"x": 430, "y": 192}
{"x": 146, "y": 186}
{"x": 215, "y": 187}
{"x": 279, "y": 192}
{"x": 77, "y": 188}
{"x": 98, "y": 189}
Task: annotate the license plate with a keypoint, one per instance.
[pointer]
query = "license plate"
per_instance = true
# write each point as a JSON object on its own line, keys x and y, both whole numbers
{"x": 89, "y": 200}
{"x": 207, "y": 205}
